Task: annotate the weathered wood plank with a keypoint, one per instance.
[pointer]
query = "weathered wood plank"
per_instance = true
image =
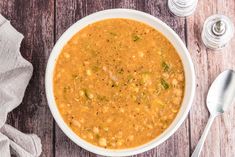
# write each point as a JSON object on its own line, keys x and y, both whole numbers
{"x": 227, "y": 125}
{"x": 34, "y": 19}
{"x": 221, "y": 139}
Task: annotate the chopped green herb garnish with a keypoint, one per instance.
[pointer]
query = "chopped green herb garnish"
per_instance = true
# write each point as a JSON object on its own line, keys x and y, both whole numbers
{"x": 164, "y": 84}
{"x": 165, "y": 66}
{"x": 136, "y": 38}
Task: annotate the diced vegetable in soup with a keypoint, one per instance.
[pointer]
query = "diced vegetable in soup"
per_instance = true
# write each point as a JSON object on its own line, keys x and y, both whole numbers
{"x": 118, "y": 83}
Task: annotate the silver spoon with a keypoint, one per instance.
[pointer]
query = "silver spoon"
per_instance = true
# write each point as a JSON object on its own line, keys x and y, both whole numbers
{"x": 219, "y": 97}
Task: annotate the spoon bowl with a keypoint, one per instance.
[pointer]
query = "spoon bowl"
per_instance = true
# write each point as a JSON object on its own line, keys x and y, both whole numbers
{"x": 220, "y": 96}
{"x": 221, "y": 92}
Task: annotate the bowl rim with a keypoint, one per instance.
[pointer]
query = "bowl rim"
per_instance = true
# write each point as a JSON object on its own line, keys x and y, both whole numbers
{"x": 190, "y": 83}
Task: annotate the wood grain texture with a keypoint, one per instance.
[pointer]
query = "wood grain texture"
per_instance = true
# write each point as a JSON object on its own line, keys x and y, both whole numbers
{"x": 208, "y": 64}
{"x": 34, "y": 19}
{"x": 42, "y": 23}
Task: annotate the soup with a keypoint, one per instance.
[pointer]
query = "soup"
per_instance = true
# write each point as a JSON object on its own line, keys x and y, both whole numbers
{"x": 118, "y": 83}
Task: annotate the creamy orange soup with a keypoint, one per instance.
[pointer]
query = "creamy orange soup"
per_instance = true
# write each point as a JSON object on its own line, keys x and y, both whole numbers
{"x": 118, "y": 83}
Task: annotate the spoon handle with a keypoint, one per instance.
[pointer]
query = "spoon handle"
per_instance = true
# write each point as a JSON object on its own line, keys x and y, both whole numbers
{"x": 198, "y": 148}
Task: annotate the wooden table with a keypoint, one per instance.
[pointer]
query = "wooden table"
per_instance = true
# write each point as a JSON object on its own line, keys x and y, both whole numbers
{"x": 43, "y": 21}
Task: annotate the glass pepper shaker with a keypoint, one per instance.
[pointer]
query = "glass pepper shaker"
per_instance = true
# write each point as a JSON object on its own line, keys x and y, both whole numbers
{"x": 217, "y": 31}
{"x": 182, "y": 8}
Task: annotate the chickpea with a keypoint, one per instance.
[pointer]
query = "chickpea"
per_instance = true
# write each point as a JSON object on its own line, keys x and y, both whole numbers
{"x": 96, "y": 130}
{"x": 76, "y": 123}
{"x": 102, "y": 142}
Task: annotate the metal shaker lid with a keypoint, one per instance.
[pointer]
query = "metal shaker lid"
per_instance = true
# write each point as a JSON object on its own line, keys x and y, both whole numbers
{"x": 217, "y": 31}
{"x": 182, "y": 8}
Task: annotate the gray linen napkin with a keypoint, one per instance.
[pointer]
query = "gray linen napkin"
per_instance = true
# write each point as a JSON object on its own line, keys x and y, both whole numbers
{"x": 15, "y": 73}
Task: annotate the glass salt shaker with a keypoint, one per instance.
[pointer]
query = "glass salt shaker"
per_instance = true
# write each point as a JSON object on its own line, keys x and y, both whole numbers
{"x": 182, "y": 8}
{"x": 217, "y": 31}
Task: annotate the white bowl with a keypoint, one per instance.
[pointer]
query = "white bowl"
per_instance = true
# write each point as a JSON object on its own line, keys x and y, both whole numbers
{"x": 169, "y": 34}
